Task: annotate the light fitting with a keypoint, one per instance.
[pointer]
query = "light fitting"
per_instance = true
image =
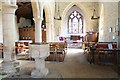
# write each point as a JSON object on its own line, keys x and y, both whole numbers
{"x": 57, "y": 12}
{"x": 94, "y": 17}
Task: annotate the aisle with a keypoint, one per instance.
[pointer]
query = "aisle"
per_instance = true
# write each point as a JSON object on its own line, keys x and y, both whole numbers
{"x": 75, "y": 55}
{"x": 74, "y": 66}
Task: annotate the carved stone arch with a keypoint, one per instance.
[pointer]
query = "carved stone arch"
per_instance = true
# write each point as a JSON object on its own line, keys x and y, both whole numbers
{"x": 71, "y": 5}
{"x": 48, "y": 18}
{"x": 65, "y": 12}
{"x": 47, "y": 10}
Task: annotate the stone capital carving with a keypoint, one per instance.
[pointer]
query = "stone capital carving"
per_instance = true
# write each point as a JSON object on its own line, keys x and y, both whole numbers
{"x": 9, "y": 8}
{"x": 38, "y": 18}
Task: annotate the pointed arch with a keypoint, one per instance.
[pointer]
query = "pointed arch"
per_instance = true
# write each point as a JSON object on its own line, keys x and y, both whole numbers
{"x": 36, "y": 8}
{"x": 47, "y": 13}
{"x": 67, "y": 12}
{"x": 48, "y": 17}
{"x": 75, "y": 22}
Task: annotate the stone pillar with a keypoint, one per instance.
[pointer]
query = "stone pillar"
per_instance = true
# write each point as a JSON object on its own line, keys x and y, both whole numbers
{"x": 8, "y": 18}
{"x": 37, "y": 8}
{"x": 38, "y": 32}
{"x": 39, "y": 52}
{"x": 48, "y": 32}
{"x": 16, "y": 30}
{"x": 1, "y": 28}
{"x": 52, "y": 31}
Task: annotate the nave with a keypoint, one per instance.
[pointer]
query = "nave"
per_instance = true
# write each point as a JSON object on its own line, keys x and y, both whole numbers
{"x": 75, "y": 65}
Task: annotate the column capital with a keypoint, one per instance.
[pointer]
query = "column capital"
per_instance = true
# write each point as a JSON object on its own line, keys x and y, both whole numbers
{"x": 38, "y": 18}
{"x": 9, "y": 8}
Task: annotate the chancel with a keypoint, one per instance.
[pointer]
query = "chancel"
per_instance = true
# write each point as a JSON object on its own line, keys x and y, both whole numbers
{"x": 59, "y": 39}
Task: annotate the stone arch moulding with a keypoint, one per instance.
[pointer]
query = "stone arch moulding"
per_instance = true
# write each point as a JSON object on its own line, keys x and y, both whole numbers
{"x": 48, "y": 17}
{"x": 47, "y": 10}
{"x": 65, "y": 12}
{"x": 35, "y": 9}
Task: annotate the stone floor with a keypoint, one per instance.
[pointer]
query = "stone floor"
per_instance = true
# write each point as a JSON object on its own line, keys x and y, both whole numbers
{"x": 74, "y": 66}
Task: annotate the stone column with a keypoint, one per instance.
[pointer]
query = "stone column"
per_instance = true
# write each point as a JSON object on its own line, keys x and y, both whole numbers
{"x": 48, "y": 31}
{"x": 38, "y": 32}
{"x": 8, "y": 18}
{"x": 37, "y": 8}
{"x": 52, "y": 31}
{"x": 1, "y": 28}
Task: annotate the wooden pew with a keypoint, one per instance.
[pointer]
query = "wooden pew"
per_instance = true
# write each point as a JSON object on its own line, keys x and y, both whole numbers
{"x": 22, "y": 50}
{"x": 102, "y": 54}
{"x": 1, "y": 50}
{"x": 57, "y": 51}
{"x": 60, "y": 50}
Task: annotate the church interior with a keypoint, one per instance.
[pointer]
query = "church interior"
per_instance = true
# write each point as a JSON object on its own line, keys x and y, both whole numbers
{"x": 59, "y": 39}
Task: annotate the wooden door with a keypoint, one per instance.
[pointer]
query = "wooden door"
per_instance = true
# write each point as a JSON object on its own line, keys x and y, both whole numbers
{"x": 43, "y": 35}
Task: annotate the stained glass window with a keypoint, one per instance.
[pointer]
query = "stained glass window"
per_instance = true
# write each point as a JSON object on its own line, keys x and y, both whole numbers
{"x": 75, "y": 23}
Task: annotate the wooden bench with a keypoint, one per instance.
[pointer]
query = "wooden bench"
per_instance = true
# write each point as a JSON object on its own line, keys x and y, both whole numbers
{"x": 22, "y": 50}
{"x": 86, "y": 45}
{"x": 1, "y": 50}
{"x": 102, "y": 54}
{"x": 57, "y": 51}
{"x": 105, "y": 44}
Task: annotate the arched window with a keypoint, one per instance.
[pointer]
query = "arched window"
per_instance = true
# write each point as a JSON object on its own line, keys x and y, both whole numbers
{"x": 75, "y": 23}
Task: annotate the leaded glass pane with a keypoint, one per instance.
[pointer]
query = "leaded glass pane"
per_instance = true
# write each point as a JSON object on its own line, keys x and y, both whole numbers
{"x": 70, "y": 26}
{"x": 71, "y": 16}
{"x": 75, "y": 23}
{"x": 78, "y": 16}
{"x": 75, "y": 13}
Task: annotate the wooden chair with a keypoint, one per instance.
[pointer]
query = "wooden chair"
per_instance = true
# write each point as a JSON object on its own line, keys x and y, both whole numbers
{"x": 52, "y": 56}
{"x": 57, "y": 51}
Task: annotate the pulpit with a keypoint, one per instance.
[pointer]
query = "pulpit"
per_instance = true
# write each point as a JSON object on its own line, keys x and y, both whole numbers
{"x": 39, "y": 51}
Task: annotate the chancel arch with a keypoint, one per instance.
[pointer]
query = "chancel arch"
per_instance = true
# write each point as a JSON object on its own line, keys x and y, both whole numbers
{"x": 70, "y": 9}
{"x": 73, "y": 24}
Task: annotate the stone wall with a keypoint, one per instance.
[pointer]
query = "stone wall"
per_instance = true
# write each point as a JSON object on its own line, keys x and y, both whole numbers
{"x": 119, "y": 24}
{"x": 1, "y": 30}
{"x": 87, "y": 9}
{"x": 108, "y": 22}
